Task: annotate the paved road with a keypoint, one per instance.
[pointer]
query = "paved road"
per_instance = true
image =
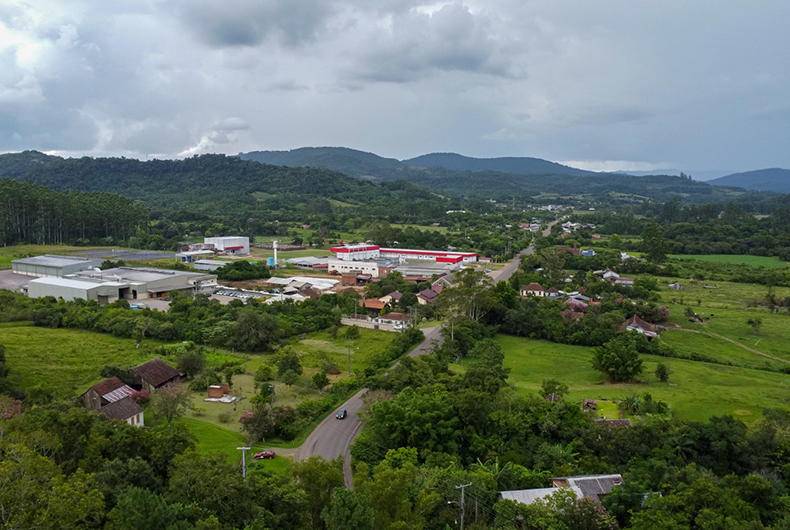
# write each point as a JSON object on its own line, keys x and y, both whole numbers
{"x": 504, "y": 274}
{"x": 334, "y": 437}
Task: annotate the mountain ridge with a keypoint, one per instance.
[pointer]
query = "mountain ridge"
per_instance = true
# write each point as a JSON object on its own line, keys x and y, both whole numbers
{"x": 770, "y": 179}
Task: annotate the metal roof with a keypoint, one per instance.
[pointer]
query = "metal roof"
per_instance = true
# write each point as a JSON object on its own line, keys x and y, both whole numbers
{"x": 529, "y": 496}
{"x": 67, "y": 282}
{"x": 51, "y": 260}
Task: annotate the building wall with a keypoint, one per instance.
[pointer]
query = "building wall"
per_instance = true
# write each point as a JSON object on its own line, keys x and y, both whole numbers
{"x": 222, "y": 243}
{"x": 51, "y": 271}
{"x": 343, "y": 266}
{"x": 92, "y": 400}
{"x": 38, "y": 290}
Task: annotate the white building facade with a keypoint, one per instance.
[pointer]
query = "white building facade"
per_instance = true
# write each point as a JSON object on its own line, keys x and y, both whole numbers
{"x": 235, "y": 245}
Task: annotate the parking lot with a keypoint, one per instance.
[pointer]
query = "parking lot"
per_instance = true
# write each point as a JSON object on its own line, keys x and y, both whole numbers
{"x": 11, "y": 281}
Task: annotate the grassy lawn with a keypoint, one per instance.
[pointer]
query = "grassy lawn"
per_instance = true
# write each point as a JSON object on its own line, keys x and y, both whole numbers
{"x": 696, "y": 390}
{"x": 66, "y": 360}
{"x": 607, "y": 410}
{"x": 7, "y": 254}
{"x": 717, "y": 294}
{"x": 773, "y": 337}
{"x": 737, "y": 259}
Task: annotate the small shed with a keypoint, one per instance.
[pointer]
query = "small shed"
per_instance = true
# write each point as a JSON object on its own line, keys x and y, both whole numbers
{"x": 216, "y": 391}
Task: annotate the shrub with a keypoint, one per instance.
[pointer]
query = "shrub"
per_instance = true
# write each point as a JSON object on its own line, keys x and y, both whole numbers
{"x": 225, "y": 417}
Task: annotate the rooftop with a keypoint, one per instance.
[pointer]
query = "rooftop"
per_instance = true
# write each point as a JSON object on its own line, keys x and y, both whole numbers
{"x": 51, "y": 260}
{"x": 156, "y": 372}
{"x": 74, "y": 283}
{"x": 531, "y": 495}
{"x": 136, "y": 274}
{"x": 122, "y": 409}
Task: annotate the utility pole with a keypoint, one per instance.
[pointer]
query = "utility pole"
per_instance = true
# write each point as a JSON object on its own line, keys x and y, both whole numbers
{"x": 462, "y": 488}
{"x": 244, "y": 466}
{"x": 349, "y": 359}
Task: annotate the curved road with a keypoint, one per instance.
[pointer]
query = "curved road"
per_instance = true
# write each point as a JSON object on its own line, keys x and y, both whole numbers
{"x": 334, "y": 437}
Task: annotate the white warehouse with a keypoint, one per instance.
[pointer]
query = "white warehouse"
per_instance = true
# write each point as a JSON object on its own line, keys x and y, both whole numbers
{"x": 51, "y": 266}
{"x": 236, "y": 245}
{"x": 122, "y": 282}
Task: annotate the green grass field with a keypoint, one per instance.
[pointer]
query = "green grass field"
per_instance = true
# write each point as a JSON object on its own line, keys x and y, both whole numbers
{"x": 736, "y": 259}
{"x": 773, "y": 337}
{"x": 716, "y": 294}
{"x": 65, "y": 360}
{"x": 696, "y": 390}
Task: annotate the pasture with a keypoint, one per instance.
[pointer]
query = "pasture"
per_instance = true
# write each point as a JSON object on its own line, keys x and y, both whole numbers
{"x": 65, "y": 360}
{"x": 771, "y": 262}
{"x": 695, "y": 391}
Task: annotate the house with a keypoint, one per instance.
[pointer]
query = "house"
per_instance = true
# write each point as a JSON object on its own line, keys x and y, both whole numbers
{"x": 594, "y": 487}
{"x": 483, "y": 259}
{"x": 392, "y": 298}
{"x": 588, "y": 253}
{"x": 575, "y": 251}
{"x": 624, "y": 282}
{"x": 529, "y": 496}
{"x": 675, "y": 286}
{"x": 533, "y": 289}
{"x": 396, "y": 320}
{"x": 108, "y": 391}
{"x": 613, "y": 424}
{"x": 553, "y": 294}
{"x": 427, "y": 296}
{"x": 373, "y": 305}
{"x": 596, "y": 236}
{"x": 125, "y": 409}
{"x": 610, "y": 275}
{"x": 445, "y": 282}
{"x": 156, "y": 374}
{"x": 640, "y": 326}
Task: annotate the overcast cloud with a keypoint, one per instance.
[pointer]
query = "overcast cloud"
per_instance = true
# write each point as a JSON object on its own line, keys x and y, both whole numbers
{"x": 605, "y": 85}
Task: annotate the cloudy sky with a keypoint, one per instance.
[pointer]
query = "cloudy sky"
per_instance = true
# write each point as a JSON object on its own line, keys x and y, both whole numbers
{"x": 619, "y": 84}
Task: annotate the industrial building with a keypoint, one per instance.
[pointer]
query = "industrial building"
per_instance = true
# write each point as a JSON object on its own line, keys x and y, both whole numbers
{"x": 51, "y": 266}
{"x": 191, "y": 256}
{"x": 122, "y": 282}
{"x": 208, "y": 264}
{"x": 235, "y": 245}
{"x": 363, "y": 252}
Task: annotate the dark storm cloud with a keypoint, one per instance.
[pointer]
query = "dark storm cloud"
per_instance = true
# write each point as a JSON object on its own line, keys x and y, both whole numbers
{"x": 416, "y": 45}
{"x": 251, "y": 22}
{"x": 661, "y": 82}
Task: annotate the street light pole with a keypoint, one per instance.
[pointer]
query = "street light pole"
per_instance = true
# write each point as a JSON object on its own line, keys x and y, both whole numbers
{"x": 349, "y": 360}
{"x": 244, "y": 460}
{"x": 462, "y": 488}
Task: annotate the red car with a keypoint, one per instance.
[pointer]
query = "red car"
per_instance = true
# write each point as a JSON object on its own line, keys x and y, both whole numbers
{"x": 264, "y": 455}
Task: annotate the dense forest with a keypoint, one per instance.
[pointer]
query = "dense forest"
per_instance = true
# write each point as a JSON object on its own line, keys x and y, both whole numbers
{"x": 217, "y": 184}
{"x": 35, "y": 214}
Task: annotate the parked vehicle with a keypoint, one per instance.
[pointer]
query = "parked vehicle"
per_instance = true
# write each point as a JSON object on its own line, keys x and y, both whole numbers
{"x": 266, "y": 455}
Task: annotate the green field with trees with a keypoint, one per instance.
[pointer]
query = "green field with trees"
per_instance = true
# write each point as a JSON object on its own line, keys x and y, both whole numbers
{"x": 696, "y": 390}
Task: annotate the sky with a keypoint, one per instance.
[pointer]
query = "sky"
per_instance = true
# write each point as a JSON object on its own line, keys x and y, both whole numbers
{"x": 603, "y": 85}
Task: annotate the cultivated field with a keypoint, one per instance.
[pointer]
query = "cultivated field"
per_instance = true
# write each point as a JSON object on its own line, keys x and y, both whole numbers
{"x": 696, "y": 390}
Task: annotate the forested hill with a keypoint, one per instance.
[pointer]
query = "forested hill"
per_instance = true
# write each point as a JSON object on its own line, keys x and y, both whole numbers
{"x": 513, "y": 165}
{"x": 342, "y": 159}
{"x": 212, "y": 181}
{"x": 521, "y": 177}
{"x": 774, "y": 179}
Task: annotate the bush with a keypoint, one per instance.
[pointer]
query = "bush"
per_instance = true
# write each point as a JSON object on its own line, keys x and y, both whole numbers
{"x": 225, "y": 417}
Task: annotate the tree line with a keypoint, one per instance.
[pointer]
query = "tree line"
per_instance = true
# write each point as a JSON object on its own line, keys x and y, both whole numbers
{"x": 38, "y": 215}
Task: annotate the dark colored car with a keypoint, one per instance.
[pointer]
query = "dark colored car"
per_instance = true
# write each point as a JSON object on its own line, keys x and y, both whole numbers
{"x": 341, "y": 414}
{"x": 265, "y": 455}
